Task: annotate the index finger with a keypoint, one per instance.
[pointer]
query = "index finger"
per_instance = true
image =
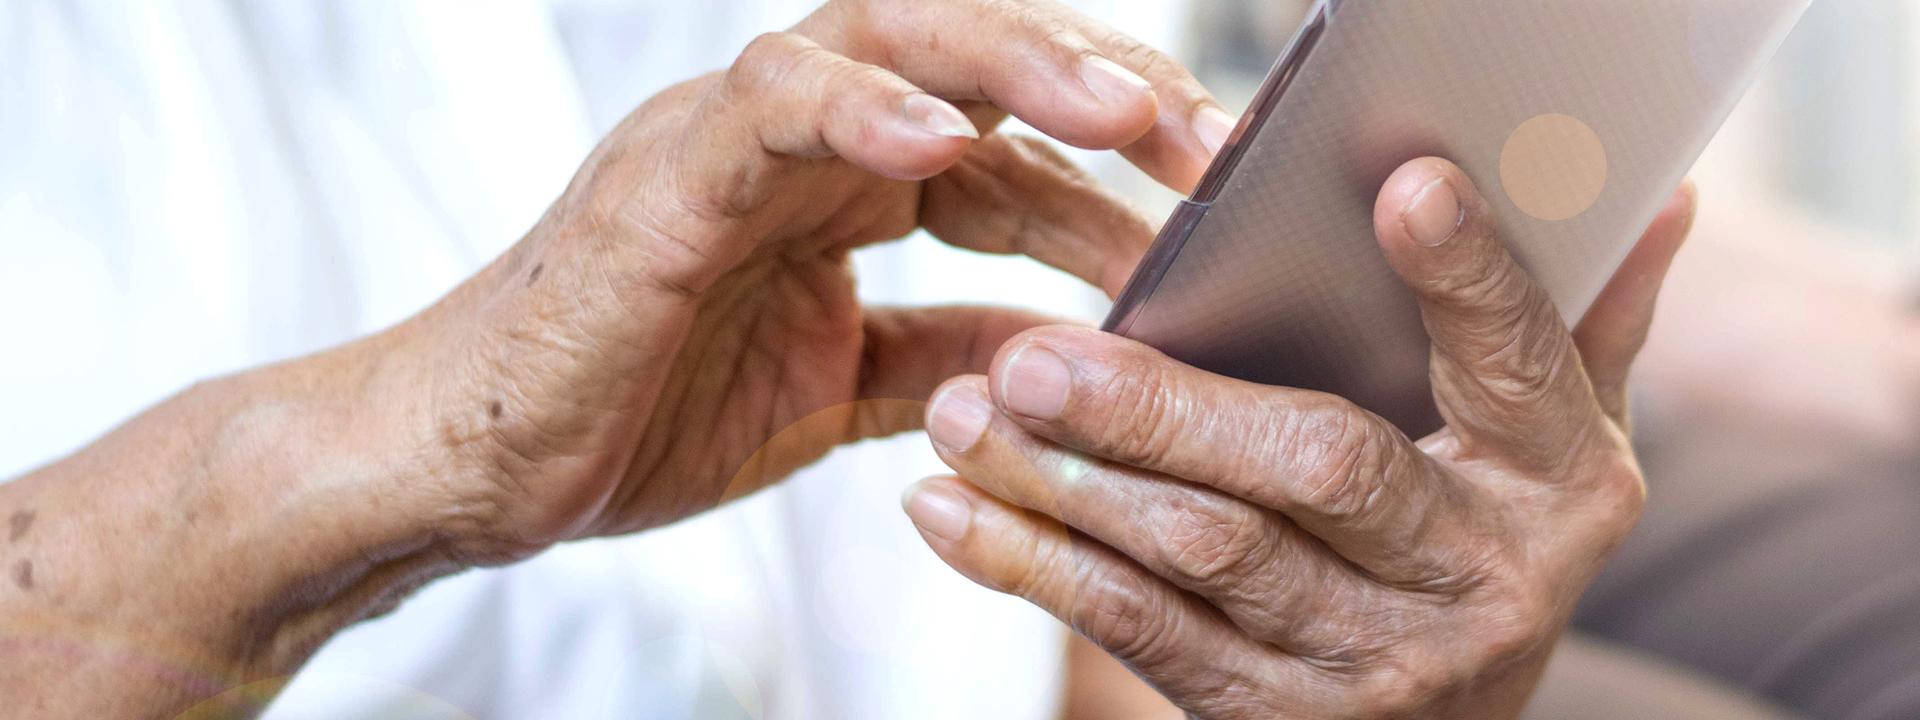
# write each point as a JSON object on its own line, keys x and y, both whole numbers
{"x": 1342, "y": 474}
{"x": 1060, "y": 72}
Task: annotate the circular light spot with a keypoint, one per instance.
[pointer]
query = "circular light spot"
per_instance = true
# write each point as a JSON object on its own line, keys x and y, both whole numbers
{"x": 1554, "y": 167}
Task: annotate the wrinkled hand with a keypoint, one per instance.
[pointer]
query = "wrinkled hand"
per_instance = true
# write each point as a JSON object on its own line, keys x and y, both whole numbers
{"x": 1258, "y": 552}
{"x": 690, "y": 296}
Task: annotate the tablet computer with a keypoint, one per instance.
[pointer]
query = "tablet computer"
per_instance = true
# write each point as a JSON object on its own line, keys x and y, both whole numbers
{"x": 1576, "y": 118}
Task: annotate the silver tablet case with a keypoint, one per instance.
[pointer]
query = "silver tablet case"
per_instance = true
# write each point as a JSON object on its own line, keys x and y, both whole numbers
{"x": 1271, "y": 272}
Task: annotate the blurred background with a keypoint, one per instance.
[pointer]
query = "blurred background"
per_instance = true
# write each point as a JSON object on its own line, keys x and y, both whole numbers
{"x": 1807, "y": 245}
{"x": 1831, "y": 131}
{"x": 1805, "y": 270}
{"x": 188, "y": 189}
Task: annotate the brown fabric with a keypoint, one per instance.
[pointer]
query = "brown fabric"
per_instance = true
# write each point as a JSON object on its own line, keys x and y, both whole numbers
{"x": 1783, "y": 564}
{"x": 1594, "y": 680}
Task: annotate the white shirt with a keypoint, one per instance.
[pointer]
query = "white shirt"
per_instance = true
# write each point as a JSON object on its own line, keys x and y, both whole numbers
{"x": 188, "y": 189}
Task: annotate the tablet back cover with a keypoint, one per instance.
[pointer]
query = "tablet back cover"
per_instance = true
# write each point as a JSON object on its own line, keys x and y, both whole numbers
{"x": 1576, "y": 118}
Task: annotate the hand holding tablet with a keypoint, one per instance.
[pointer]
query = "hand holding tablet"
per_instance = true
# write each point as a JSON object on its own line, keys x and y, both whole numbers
{"x": 1577, "y": 118}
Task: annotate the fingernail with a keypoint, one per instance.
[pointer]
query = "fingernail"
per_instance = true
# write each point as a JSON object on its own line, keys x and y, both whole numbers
{"x": 938, "y": 510}
{"x": 1113, "y": 84}
{"x": 1036, "y": 383}
{"x": 937, "y": 116}
{"x": 1214, "y": 127}
{"x": 1435, "y": 215}
{"x": 959, "y": 418}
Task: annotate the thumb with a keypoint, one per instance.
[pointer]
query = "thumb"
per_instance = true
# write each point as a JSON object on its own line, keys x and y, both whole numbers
{"x": 1506, "y": 373}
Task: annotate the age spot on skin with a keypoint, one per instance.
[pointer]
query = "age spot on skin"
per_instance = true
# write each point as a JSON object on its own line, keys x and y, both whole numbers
{"x": 534, "y": 277}
{"x": 23, "y": 574}
{"x": 494, "y": 409}
{"x": 18, "y": 525}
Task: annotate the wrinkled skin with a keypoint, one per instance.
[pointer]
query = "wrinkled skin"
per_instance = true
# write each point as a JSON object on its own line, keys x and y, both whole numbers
{"x": 1258, "y": 552}
{"x": 680, "y": 329}
{"x": 1251, "y": 552}
{"x": 690, "y": 296}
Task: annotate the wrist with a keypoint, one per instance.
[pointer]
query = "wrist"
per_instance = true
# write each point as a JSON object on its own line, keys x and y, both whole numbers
{"x": 231, "y": 529}
{"x": 339, "y": 504}
{"x": 309, "y": 512}
{"x": 529, "y": 388}
{"x": 214, "y": 541}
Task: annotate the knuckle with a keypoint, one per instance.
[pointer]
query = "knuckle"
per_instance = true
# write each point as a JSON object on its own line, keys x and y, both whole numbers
{"x": 1517, "y": 627}
{"x": 1403, "y": 694}
{"x": 1147, "y": 417}
{"x": 1521, "y": 639}
{"x": 1024, "y": 573}
{"x": 1515, "y": 612}
{"x": 1341, "y": 451}
{"x": 1619, "y": 495}
{"x": 768, "y": 62}
{"x": 765, "y": 58}
{"x": 876, "y": 28}
{"x": 1630, "y": 484}
{"x": 1210, "y": 549}
{"x": 1535, "y": 355}
{"x": 1122, "y": 616}
{"x": 1405, "y": 666}
{"x": 1410, "y": 679}
{"x": 1235, "y": 693}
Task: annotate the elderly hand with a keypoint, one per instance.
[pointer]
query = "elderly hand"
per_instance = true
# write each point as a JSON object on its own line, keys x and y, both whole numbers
{"x": 1259, "y": 552}
{"x": 690, "y": 297}
{"x": 681, "y": 328}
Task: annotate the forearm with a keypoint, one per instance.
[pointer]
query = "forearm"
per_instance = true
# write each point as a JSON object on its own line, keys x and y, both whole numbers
{"x": 212, "y": 542}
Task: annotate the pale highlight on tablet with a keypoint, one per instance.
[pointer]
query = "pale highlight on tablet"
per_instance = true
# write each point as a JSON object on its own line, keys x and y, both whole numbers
{"x": 1554, "y": 167}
